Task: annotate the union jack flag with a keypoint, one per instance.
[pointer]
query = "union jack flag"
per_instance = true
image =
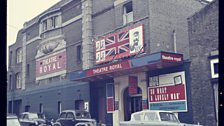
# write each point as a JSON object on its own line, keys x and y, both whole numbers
{"x": 114, "y": 46}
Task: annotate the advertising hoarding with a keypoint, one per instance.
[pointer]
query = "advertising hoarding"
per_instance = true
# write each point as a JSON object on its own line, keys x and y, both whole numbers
{"x": 168, "y": 92}
{"x": 120, "y": 44}
{"x": 50, "y": 65}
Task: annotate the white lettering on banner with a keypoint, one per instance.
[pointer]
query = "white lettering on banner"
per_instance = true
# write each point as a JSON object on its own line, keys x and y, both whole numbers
{"x": 167, "y": 57}
{"x": 40, "y": 69}
{"x": 99, "y": 70}
{"x": 49, "y": 67}
{"x": 107, "y": 68}
{"x": 175, "y": 96}
{"x": 177, "y": 59}
{"x": 161, "y": 90}
{"x": 171, "y": 58}
{"x": 162, "y": 97}
{"x": 114, "y": 67}
{"x": 50, "y": 60}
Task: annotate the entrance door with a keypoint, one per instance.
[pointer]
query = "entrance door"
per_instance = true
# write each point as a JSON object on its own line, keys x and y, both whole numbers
{"x": 132, "y": 103}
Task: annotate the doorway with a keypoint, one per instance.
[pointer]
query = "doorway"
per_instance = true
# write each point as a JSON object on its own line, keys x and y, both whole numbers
{"x": 132, "y": 103}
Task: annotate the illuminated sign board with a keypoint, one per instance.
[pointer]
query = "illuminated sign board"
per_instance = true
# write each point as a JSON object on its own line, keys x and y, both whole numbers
{"x": 168, "y": 92}
{"x": 51, "y": 65}
{"x": 169, "y": 57}
{"x": 121, "y": 44}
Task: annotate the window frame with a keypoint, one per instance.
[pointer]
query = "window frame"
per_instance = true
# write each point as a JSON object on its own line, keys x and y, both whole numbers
{"x": 19, "y": 55}
{"x": 128, "y": 14}
{"x": 10, "y": 58}
{"x": 10, "y": 85}
{"x": 18, "y": 81}
{"x": 59, "y": 107}
{"x": 79, "y": 53}
{"x": 50, "y": 23}
{"x": 41, "y": 108}
{"x": 28, "y": 69}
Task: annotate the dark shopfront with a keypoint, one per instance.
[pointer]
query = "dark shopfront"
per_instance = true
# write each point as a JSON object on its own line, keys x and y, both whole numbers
{"x": 121, "y": 88}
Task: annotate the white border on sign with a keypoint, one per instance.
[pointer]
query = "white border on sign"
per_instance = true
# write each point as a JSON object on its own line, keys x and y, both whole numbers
{"x": 139, "y": 45}
{"x": 212, "y": 63}
{"x": 168, "y": 80}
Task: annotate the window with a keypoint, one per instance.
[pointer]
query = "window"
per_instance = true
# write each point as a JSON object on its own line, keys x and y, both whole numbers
{"x": 128, "y": 13}
{"x": 214, "y": 68}
{"x": 10, "y": 58}
{"x": 63, "y": 115}
{"x": 44, "y": 24}
{"x": 50, "y": 23}
{"x": 18, "y": 81}
{"x": 151, "y": 117}
{"x": 59, "y": 107}
{"x": 137, "y": 117}
{"x": 27, "y": 69}
{"x": 27, "y": 108}
{"x": 19, "y": 55}
{"x": 41, "y": 108}
{"x": 79, "y": 53}
{"x": 170, "y": 117}
{"x": 70, "y": 115}
{"x": 10, "y": 83}
{"x": 79, "y": 104}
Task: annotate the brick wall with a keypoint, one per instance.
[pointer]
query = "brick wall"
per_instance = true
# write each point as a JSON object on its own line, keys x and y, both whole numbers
{"x": 203, "y": 37}
{"x": 166, "y": 16}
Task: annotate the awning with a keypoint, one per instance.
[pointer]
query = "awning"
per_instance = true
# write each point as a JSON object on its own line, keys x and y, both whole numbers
{"x": 135, "y": 65}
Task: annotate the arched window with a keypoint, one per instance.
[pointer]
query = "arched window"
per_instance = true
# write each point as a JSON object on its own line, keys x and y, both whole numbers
{"x": 19, "y": 55}
{"x": 18, "y": 81}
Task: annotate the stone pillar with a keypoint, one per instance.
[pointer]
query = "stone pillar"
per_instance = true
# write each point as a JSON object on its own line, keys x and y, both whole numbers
{"x": 116, "y": 98}
{"x": 24, "y": 62}
{"x": 142, "y": 83}
{"x": 121, "y": 83}
{"x": 87, "y": 44}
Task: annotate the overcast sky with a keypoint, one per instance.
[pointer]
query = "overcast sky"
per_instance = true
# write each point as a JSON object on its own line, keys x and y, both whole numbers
{"x": 20, "y": 11}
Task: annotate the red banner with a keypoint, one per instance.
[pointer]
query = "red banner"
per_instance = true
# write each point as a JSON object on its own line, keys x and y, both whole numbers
{"x": 133, "y": 85}
{"x": 109, "y": 68}
{"x": 51, "y": 64}
{"x": 167, "y": 93}
{"x": 110, "y": 104}
{"x": 168, "y": 57}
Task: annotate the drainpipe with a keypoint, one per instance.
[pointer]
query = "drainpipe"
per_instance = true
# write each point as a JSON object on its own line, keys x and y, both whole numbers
{"x": 174, "y": 41}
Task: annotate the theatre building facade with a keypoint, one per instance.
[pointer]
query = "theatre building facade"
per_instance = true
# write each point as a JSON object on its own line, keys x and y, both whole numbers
{"x": 110, "y": 57}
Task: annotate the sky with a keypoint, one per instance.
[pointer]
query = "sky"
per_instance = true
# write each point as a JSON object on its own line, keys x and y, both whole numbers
{"x": 20, "y": 11}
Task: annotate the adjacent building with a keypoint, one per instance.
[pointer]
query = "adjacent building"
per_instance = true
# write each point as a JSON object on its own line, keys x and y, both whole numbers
{"x": 203, "y": 39}
{"x": 110, "y": 57}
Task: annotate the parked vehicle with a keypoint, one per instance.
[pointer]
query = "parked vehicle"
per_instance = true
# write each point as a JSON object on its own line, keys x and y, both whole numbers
{"x": 31, "y": 118}
{"x": 73, "y": 117}
{"x": 48, "y": 122}
{"x": 154, "y": 118}
{"x": 12, "y": 120}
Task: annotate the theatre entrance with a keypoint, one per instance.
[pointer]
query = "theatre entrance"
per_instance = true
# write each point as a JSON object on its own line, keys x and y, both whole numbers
{"x": 132, "y": 103}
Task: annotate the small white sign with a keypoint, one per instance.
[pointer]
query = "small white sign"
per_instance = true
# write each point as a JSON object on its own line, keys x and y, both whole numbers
{"x": 86, "y": 106}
